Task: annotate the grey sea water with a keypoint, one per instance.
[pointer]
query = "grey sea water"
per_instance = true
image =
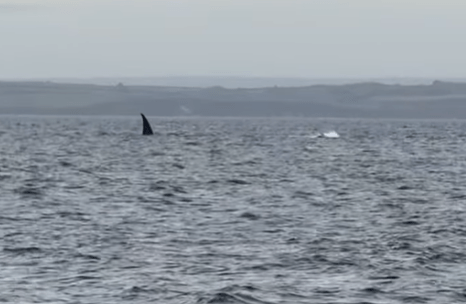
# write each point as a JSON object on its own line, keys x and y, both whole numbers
{"x": 231, "y": 211}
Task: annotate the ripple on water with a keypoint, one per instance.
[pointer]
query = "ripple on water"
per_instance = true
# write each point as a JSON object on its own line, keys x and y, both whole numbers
{"x": 231, "y": 211}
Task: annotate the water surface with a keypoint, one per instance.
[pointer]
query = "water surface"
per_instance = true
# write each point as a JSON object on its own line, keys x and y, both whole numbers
{"x": 231, "y": 211}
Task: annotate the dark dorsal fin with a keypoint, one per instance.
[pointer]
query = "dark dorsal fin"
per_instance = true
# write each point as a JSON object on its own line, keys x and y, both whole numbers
{"x": 146, "y": 129}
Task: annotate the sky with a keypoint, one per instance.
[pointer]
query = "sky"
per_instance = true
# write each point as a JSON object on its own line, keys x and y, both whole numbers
{"x": 252, "y": 38}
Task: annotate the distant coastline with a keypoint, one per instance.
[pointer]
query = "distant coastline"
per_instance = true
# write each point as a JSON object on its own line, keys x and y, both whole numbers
{"x": 437, "y": 99}
{"x": 234, "y": 82}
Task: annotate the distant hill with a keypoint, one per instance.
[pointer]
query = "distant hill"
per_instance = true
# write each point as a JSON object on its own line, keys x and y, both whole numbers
{"x": 233, "y": 82}
{"x": 437, "y": 99}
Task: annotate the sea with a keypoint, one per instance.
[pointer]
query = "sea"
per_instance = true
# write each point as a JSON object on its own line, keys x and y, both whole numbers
{"x": 232, "y": 210}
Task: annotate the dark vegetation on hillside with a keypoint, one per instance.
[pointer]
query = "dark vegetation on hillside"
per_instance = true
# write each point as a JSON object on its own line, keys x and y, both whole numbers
{"x": 372, "y": 100}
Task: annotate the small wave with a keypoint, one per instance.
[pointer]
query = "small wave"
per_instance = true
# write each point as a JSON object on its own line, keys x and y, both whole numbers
{"x": 22, "y": 250}
{"x": 237, "y": 182}
{"x": 87, "y": 257}
{"x": 65, "y": 164}
{"x": 179, "y": 166}
{"x": 2, "y": 177}
{"x": 221, "y": 298}
{"x": 193, "y": 143}
{"x": 29, "y": 191}
{"x": 316, "y": 135}
{"x": 302, "y": 194}
{"x": 387, "y": 277}
{"x": 250, "y": 216}
{"x": 246, "y": 163}
{"x": 233, "y": 294}
{"x": 224, "y": 297}
{"x": 136, "y": 291}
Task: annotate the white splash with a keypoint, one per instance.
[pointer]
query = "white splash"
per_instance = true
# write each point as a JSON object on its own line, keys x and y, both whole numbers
{"x": 331, "y": 134}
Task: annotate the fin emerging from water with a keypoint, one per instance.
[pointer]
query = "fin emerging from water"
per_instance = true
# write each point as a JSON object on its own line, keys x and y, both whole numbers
{"x": 146, "y": 128}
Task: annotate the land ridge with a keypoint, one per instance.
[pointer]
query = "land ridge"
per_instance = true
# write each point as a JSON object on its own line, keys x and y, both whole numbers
{"x": 440, "y": 99}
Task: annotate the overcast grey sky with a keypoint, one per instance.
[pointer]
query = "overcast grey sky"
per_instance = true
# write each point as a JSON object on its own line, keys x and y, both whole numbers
{"x": 284, "y": 38}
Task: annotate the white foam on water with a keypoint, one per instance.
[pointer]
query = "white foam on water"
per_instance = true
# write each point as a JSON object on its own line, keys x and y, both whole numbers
{"x": 331, "y": 134}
